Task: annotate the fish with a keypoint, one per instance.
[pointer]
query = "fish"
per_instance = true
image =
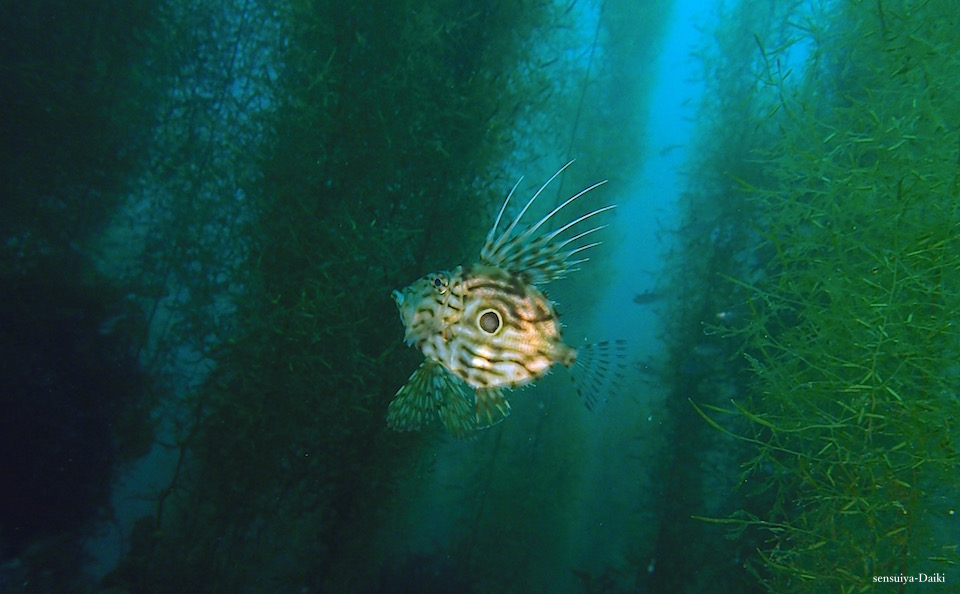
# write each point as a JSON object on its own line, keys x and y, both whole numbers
{"x": 647, "y": 297}
{"x": 666, "y": 150}
{"x": 488, "y": 327}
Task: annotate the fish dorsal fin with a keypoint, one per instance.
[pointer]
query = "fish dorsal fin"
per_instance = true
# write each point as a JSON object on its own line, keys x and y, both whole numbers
{"x": 544, "y": 257}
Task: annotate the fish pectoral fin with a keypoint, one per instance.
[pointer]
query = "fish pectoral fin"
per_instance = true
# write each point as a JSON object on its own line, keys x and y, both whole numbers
{"x": 413, "y": 405}
{"x": 456, "y": 411}
{"x": 598, "y": 370}
{"x": 432, "y": 390}
{"x": 492, "y": 406}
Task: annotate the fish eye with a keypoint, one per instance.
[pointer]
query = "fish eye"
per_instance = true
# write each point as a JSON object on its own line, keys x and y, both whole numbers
{"x": 490, "y": 321}
{"x": 440, "y": 283}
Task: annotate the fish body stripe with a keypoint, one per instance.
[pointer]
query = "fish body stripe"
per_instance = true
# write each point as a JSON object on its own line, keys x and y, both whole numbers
{"x": 524, "y": 346}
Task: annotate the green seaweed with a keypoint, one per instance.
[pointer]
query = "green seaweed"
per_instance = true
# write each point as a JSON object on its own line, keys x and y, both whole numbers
{"x": 849, "y": 340}
{"x": 379, "y": 163}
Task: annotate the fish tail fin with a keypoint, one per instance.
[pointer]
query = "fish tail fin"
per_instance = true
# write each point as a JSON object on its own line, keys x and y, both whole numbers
{"x": 598, "y": 370}
{"x": 492, "y": 406}
{"x": 432, "y": 390}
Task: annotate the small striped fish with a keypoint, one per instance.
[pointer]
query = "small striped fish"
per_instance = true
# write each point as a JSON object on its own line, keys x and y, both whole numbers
{"x": 488, "y": 326}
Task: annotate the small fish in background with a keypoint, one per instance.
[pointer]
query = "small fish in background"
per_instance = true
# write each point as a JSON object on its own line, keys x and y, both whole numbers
{"x": 647, "y": 297}
{"x": 666, "y": 150}
{"x": 488, "y": 326}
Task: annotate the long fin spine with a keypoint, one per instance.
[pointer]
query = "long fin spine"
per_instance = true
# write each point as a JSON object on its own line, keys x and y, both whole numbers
{"x": 532, "y": 229}
{"x": 567, "y": 242}
{"x": 547, "y": 257}
{"x": 506, "y": 201}
{"x": 506, "y": 234}
{"x": 581, "y": 248}
{"x": 581, "y": 219}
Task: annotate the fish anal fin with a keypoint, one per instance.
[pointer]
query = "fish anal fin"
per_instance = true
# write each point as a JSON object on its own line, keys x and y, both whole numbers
{"x": 597, "y": 373}
{"x": 492, "y": 406}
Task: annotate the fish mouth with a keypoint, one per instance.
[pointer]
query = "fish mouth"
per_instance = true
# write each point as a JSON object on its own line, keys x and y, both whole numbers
{"x": 397, "y": 297}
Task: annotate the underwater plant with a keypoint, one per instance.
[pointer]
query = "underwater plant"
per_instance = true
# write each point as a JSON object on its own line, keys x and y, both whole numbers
{"x": 75, "y": 399}
{"x": 848, "y": 336}
{"x": 376, "y": 161}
